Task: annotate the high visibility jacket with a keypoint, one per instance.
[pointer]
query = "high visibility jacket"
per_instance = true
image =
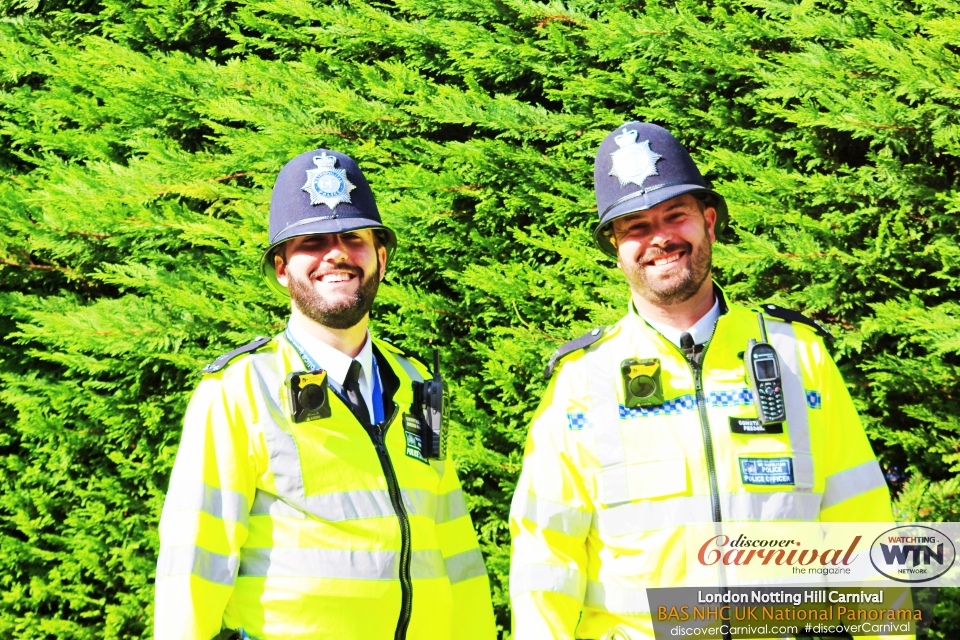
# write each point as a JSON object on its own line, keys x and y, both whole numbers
{"x": 318, "y": 529}
{"x": 605, "y": 491}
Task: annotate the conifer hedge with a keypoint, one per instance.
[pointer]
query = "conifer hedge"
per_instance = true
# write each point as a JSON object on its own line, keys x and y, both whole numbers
{"x": 139, "y": 141}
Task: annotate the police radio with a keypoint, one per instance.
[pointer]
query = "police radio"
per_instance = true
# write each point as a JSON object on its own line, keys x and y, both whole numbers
{"x": 766, "y": 383}
{"x": 308, "y": 395}
{"x": 428, "y": 400}
{"x": 641, "y": 383}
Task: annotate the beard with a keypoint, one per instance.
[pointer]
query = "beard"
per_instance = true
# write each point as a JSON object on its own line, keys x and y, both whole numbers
{"x": 676, "y": 287}
{"x": 341, "y": 313}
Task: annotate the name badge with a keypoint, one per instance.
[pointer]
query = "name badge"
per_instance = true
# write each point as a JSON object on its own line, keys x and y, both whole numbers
{"x": 752, "y": 426}
{"x": 411, "y": 424}
{"x": 766, "y": 471}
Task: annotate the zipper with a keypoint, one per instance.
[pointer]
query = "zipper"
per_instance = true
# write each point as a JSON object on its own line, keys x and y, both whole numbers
{"x": 378, "y": 433}
{"x": 697, "y": 370}
{"x": 705, "y": 432}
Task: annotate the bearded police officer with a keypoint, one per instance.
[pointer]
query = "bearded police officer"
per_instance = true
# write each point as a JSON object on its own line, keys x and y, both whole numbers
{"x": 690, "y": 409}
{"x": 311, "y": 496}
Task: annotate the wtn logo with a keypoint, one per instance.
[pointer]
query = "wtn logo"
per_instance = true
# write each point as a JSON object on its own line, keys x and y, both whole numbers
{"x": 900, "y": 553}
{"x": 913, "y": 553}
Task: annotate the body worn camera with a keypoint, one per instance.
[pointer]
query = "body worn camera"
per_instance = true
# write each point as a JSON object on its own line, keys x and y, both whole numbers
{"x": 763, "y": 374}
{"x": 428, "y": 400}
{"x": 641, "y": 383}
{"x": 308, "y": 395}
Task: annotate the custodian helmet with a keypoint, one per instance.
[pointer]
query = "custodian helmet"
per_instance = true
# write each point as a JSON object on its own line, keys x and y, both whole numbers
{"x": 320, "y": 191}
{"x": 638, "y": 166}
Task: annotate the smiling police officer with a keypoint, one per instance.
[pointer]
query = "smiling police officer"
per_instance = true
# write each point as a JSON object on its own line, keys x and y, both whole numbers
{"x": 312, "y": 496}
{"x": 690, "y": 409}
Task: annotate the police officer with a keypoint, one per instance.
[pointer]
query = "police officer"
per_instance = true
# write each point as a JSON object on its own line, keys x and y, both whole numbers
{"x": 308, "y": 499}
{"x": 656, "y": 422}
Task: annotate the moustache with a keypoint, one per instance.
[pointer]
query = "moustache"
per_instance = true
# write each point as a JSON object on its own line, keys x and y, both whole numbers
{"x": 322, "y": 271}
{"x": 655, "y": 252}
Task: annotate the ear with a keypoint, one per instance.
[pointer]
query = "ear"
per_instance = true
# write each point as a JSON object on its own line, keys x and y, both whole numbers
{"x": 382, "y": 261}
{"x": 281, "y": 268}
{"x": 710, "y": 216}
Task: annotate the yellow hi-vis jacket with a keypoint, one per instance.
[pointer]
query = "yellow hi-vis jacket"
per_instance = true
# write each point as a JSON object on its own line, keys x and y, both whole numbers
{"x": 318, "y": 529}
{"x": 605, "y": 492}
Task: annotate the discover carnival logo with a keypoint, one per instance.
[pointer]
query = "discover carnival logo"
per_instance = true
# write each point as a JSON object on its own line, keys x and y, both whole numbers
{"x": 745, "y": 551}
{"x": 912, "y": 553}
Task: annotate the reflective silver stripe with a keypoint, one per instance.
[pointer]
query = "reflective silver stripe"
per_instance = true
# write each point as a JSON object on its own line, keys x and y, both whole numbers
{"x": 411, "y": 370}
{"x": 605, "y": 415}
{"x": 450, "y": 506}
{"x": 784, "y": 340}
{"x": 199, "y": 496}
{"x": 418, "y": 502}
{"x": 852, "y": 482}
{"x": 356, "y": 505}
{"x": 674, "y": 512}
{"x": 616, "y": 599}
{"x": 338, "y": 564}
{"x": 332, "y": 507}
{"x": 465, "y": 565}
{"x": 426, "y": 565}
{"x": 650, "y": 515}
{"x": 545, "y": 577}
{"x": 197, "y": 561}
{"x": 765, "y": 507}
{"x": 551, "y": 515}
{"x": 284, "y": 457}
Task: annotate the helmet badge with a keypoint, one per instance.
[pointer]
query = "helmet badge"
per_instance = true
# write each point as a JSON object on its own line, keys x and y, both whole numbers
{"x": 633, "y": 161}
{"x": 326, "y": 184}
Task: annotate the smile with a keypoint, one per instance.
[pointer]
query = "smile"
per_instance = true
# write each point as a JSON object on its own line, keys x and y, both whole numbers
{"x": 337, "y": 276}
{"x": 665, "y": 260}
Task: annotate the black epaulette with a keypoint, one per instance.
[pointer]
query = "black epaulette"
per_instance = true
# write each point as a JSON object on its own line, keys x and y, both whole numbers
{"x": 795, "y": 316}
{"x": 582, "y": 342}
{"x": 225, "y": 359}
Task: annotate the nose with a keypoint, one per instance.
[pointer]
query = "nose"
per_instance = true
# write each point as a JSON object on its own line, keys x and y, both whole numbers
{"x": 660, "y": 235}
{"x": 334, "y": 249}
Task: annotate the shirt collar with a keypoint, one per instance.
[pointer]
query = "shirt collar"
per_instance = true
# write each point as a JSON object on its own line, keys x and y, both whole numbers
{"x": 701, "y": 331}
{"x": 335, "y": 362}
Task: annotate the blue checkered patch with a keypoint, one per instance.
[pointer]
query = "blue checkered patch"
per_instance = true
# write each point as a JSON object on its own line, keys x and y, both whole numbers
{"x": 669, "y": 408}
{"x": 736, "y": 398}
{"x": 578, "y": 421}
{"x": 813, "y": 399}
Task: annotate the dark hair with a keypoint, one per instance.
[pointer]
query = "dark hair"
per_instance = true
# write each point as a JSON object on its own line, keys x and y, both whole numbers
{"x": 380, "y": 238}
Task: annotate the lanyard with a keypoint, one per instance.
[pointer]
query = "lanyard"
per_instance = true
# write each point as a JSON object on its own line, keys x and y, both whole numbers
{"x": 312, "y": 364}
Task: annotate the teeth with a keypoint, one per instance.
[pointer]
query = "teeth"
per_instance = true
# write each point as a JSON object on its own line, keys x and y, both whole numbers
{"x": 335, "y": 277}
{"x": 659, "y": 262}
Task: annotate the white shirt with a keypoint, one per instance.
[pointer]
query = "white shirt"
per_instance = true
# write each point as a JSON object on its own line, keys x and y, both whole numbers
{"x": 336, "y": 363}
{"x": 701, "y": 331}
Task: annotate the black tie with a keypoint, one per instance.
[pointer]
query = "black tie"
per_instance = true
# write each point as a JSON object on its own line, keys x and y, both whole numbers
{"x": 351, "y": 389}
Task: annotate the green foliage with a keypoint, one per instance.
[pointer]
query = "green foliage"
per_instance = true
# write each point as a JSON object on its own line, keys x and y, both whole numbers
{"x": 140, "y": 141}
